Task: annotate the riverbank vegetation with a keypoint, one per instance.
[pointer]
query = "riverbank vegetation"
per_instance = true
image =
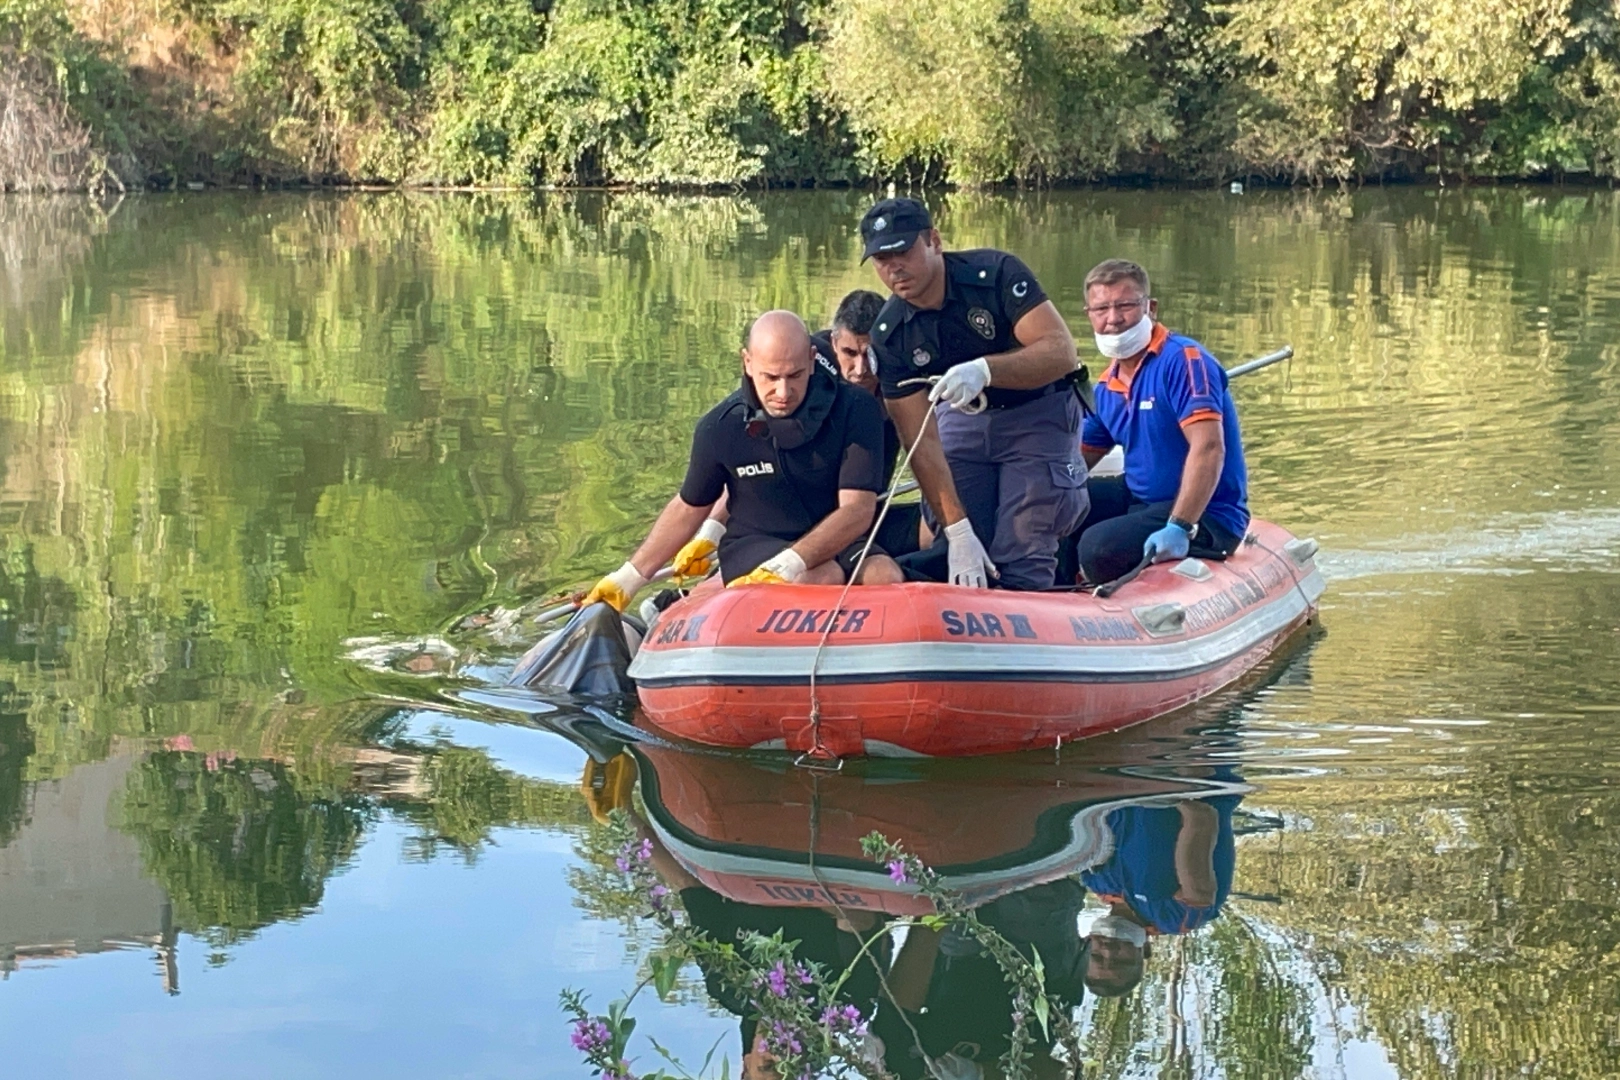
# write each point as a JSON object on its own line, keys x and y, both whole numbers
{"x": 694, "y": 93}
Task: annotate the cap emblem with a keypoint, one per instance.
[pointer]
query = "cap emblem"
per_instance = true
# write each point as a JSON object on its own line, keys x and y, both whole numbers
{"x": 982, "y": 323}
{"x": 879, "y": 224}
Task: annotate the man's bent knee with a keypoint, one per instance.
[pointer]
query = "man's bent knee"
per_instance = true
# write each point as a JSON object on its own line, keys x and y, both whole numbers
{"x": 828, "y": 573}
{"x": 880, "y": 570}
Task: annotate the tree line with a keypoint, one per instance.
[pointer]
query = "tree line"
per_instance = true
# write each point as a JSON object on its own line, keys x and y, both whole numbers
{"x": 701, "y": 93}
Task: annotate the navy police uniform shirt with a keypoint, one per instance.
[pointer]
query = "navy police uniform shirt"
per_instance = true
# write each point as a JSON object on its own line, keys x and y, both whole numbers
{"x": 785, "y": 493}
{"x": 986, "y": 293}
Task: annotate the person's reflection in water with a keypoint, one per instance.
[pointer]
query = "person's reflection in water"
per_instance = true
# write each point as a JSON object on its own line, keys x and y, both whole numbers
{"x": 1169, "y": 873}
{"x": 824, "y": 935}
{"x": 956, "y": 1003}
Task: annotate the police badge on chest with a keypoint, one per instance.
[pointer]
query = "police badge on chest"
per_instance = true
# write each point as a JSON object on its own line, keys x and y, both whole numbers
{"x": 982, "y": 322}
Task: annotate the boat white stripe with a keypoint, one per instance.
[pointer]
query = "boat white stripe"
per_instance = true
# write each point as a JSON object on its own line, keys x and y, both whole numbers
{"x": 906, "y": 659}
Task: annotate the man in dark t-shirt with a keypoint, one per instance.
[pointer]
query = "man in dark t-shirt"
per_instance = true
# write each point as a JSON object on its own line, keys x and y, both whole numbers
{"x": 798, "y": 454}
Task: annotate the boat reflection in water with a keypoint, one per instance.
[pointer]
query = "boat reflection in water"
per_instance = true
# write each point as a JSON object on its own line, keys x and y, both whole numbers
{"x": 1141, "y": 821}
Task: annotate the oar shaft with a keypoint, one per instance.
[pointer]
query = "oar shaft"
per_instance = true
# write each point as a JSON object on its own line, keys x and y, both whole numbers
{"x": 1260, "y": 362}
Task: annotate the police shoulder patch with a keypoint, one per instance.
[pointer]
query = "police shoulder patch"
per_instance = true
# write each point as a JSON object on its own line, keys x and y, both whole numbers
{"x": 921, "y": 357}
{"x": 982, "y": 322}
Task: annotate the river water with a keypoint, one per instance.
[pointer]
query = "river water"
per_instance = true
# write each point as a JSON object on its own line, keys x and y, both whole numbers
{"x": 261, "y": 457}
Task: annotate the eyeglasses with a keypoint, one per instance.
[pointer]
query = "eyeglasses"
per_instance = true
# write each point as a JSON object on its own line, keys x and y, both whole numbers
{"x": 1124, "y": 307}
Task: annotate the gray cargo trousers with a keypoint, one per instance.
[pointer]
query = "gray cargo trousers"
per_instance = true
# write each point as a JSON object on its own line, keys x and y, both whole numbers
{"x": 1022, "y": 481}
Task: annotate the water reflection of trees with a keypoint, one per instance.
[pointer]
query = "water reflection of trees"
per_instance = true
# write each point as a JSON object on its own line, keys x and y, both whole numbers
{"x": 16, "y": 743}
{"x": 237, "y": 843}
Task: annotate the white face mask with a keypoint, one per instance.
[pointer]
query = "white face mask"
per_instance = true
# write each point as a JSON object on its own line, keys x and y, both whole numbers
{"x": 1129, "y": 343}
{"x": 1120, "y": 929}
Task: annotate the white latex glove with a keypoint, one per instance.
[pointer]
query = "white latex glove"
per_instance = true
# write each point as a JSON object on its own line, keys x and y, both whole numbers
{"x": 962, "y": 383}
{"x": 787, "y": 565}
{"x": 969, "y": 561}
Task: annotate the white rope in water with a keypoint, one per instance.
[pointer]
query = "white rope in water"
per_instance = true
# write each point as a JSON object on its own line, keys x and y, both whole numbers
{"x": 818, "y": 750}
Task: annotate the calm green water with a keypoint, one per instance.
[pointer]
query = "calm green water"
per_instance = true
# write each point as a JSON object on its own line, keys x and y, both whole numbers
{"x": 261, "y": 456}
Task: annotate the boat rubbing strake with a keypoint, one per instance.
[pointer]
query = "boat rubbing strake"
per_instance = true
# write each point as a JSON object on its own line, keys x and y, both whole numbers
{"x": 920, "y": 669}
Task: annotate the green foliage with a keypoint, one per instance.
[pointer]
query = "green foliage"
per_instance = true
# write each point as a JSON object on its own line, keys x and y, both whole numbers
{"x": 1341, "y": 88}
{"x": 980, "y": 93}
{"x": 706, "y": 93}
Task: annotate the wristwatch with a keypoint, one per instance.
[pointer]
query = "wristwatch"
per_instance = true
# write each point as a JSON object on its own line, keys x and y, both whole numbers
{"x": 1188, "y": 527}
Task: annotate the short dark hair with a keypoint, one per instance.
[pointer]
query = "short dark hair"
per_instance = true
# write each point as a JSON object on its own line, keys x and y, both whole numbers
{"x": 1111, "y": 271}
{"x": 858, "y": 311}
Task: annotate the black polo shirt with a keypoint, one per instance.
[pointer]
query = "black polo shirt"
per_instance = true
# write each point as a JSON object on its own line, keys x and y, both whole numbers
{"x": 986, "y": 293}
{"x": 785, "y": 493}
{"x": 822, "y": 340}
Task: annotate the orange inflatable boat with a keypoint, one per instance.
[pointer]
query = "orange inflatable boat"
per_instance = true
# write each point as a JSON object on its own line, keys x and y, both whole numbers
{"x": 926, "y": 670}
{"x": 778, "y": 836}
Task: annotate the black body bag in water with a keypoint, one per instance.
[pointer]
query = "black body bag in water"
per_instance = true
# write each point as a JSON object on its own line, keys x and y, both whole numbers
{"x": 589, "y": 656}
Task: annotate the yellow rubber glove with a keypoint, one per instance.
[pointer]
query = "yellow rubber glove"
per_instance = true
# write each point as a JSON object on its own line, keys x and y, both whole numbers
{"x": 617, "y": 589}
{"x": 757, "y": 576}
{"x": 696, "y": 559}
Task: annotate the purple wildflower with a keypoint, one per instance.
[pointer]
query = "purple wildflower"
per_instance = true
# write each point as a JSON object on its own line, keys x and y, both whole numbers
{"x": 623, "y": 864}
{"x": 776, "y": 980}
{"x": 782, "y": 1041}
{"x": 656, "y": 895}
{"x": 848, "y": 1019}
{"x": 644, "y": 850}
{"x": 590, "y": 1035}
{"x": 897, "y": 871}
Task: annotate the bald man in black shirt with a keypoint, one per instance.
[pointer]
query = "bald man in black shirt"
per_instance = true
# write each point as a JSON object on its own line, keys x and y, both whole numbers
{"x": 798, "y": 453}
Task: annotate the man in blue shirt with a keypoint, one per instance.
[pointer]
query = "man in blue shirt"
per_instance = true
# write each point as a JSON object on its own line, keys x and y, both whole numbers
{"x": 1170, "y": 872}
{"x": 1164, "y": 398}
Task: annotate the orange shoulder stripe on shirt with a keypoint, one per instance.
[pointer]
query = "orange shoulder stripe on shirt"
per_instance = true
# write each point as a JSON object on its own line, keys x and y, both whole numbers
{"x": 1197, "y": 377}
{"x": 1201, "y": 415}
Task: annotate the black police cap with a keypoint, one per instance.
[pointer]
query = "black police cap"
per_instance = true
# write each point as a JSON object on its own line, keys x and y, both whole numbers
{"x": 893, "y": 225}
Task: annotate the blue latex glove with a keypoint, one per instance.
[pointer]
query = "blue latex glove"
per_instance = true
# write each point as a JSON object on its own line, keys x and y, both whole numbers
{"x": 1170, "y": 542}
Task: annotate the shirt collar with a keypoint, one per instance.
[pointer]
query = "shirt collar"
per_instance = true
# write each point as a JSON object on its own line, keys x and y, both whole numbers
{"x": 1111, "y": 379}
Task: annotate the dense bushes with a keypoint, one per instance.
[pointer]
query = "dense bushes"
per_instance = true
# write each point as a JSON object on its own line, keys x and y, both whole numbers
{"x": 733, "y": 92}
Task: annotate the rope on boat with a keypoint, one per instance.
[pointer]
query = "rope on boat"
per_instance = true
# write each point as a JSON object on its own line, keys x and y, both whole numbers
{"x": 818, "y": 756}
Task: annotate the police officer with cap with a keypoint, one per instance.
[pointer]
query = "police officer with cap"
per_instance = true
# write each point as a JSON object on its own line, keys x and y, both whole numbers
{"x": 1011, "y": 474}
{"x": 798, "y": 453}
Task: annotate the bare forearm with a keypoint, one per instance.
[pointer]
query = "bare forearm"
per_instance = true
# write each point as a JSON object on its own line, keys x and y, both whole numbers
{"x": 675, "y": 525}
{"x": 836, "y": 531}
{"x": 1028, "y": 367}
{"x": 1045, "y": 351}
{"x": 1195, "y": 853}
{"x": 1198, "y": 478}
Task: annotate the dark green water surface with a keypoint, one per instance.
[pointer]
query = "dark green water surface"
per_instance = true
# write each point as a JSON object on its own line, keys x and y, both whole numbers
{"x": 262, "y": 456}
